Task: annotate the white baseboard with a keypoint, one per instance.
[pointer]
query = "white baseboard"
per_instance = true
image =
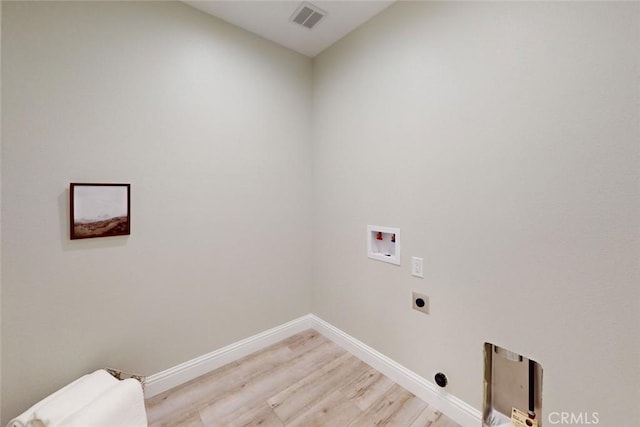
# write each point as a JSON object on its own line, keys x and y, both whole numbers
{"x": 184, "y": 372}
{"x": 454, "y": 408}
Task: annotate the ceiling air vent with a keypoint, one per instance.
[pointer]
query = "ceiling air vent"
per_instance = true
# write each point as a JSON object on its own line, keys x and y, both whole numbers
{"x": 308, "y": 15}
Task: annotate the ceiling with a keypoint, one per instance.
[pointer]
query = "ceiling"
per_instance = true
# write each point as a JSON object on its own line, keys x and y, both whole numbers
{"x": 271, "y": 20}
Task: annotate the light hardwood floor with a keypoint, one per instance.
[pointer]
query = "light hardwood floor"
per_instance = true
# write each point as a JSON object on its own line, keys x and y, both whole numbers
{"x": 305, "y": 380}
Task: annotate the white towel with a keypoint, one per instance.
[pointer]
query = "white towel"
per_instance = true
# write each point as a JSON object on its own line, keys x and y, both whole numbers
{"x": 95, "y": 400}
{"x": 122, "y": 405}
{"x": 57, "y": 406}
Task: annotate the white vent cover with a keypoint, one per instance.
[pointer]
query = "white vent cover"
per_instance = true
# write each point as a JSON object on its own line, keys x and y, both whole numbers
{"x": 307, "y": 15}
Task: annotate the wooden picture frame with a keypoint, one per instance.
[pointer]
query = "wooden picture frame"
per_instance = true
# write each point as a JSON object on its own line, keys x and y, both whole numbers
{"x": 99, "y": 210}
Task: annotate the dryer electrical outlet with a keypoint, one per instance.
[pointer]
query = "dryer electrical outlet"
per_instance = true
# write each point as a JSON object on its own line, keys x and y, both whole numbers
{"x": 420, "y": 302}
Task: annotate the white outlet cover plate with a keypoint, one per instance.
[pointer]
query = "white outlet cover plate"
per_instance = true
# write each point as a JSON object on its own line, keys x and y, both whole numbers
{"x": 417, "y": 267}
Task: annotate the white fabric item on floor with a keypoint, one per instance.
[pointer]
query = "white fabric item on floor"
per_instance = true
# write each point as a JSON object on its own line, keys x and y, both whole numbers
{"x": 122, "y": 405}
{"x": 98, "y": 393}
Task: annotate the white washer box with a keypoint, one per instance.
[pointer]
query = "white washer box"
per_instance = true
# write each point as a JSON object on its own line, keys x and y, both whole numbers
{"x": 383, "y": 244}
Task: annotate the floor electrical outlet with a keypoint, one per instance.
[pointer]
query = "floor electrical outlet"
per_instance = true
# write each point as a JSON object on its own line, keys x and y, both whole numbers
{"x": 420, "y": 302}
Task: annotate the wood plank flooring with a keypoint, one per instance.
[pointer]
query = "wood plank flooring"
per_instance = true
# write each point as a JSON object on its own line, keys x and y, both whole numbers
{"x": 305, "y": 380}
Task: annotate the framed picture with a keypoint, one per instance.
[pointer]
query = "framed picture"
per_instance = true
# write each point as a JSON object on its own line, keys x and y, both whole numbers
{"x": 99, "y": 210}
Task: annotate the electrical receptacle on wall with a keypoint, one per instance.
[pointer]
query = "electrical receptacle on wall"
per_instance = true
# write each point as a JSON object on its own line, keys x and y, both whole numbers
{"x": 417, "y": 267}
{"x": 420, "y": 302}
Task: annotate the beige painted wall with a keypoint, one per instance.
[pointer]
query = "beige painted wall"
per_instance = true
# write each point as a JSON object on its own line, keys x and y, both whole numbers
{"x": 0, "y": 213}
{"x": 210, "y": 125}
{"x": 502, "y": 138}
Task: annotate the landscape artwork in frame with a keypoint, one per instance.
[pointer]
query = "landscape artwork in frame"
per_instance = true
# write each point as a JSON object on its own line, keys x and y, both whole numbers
{"x": 100, "y": 210}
